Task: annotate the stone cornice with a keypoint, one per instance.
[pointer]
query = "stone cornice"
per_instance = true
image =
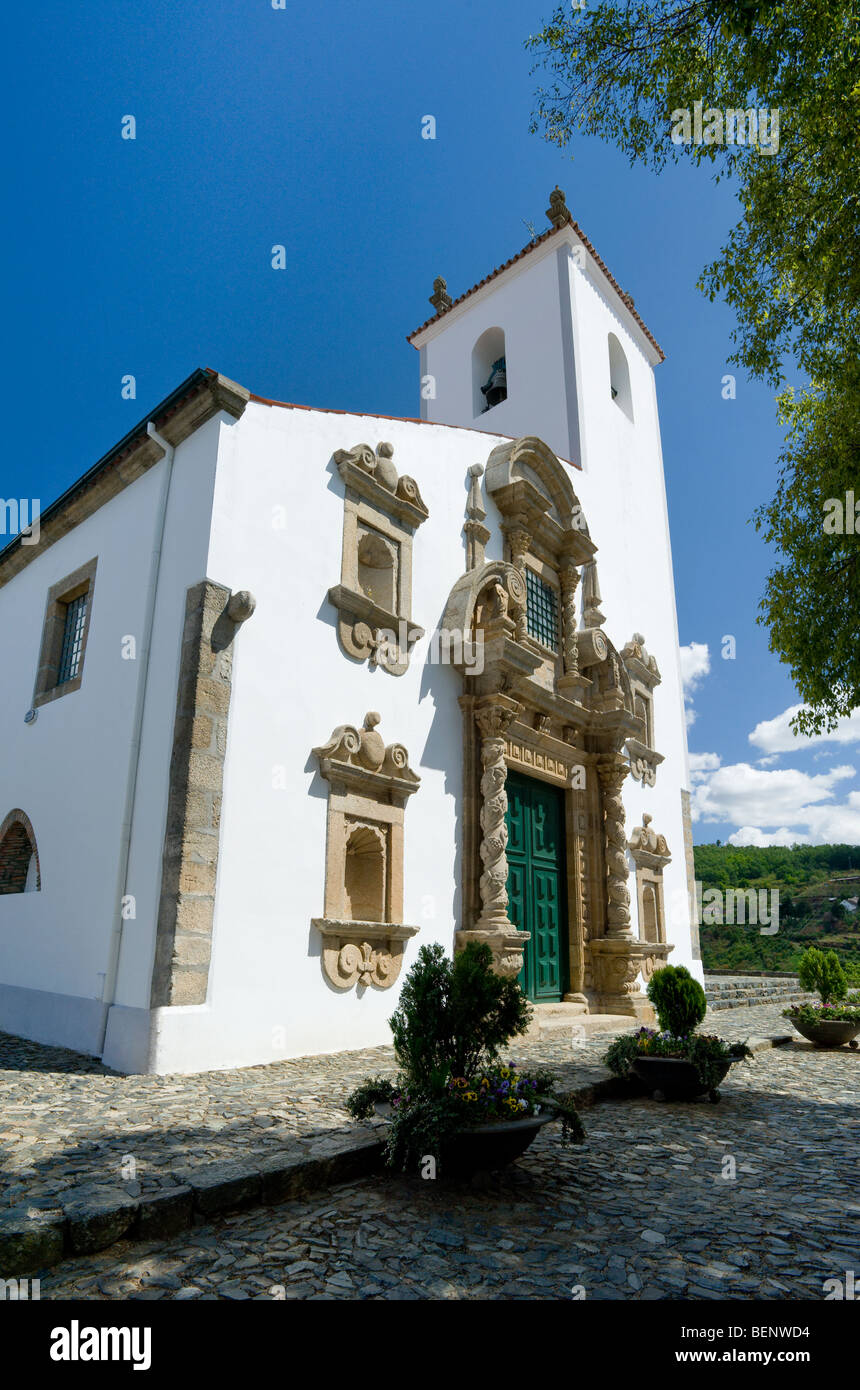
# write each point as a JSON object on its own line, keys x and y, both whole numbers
{"x": 204, "y": 394}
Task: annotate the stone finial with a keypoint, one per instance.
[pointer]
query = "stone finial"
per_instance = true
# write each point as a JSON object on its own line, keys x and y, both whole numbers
{"x": 558, "y": 211}
{"x": 475, "y": 508}
{"x": 440, "y": 298}
{"x": 591, "y": 600}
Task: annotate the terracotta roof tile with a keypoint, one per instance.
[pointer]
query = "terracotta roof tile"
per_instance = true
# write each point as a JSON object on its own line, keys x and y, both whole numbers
{"x": 539, "y": 241}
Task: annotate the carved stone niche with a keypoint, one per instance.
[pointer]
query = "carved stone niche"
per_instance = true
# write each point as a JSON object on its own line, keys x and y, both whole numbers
{"x": 650, "y": 854}
{"x": 381, "y": 513}
{"x": 363, "y": 933}
{"x": 644, "y": 676}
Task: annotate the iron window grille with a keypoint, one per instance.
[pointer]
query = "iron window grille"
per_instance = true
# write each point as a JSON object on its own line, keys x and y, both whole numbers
{"x": 541, "y": 611}
{"x": 73, "y": 639}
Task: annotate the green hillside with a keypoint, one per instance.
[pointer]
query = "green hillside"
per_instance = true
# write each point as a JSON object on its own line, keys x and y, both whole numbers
{"x": 812, "y": 882}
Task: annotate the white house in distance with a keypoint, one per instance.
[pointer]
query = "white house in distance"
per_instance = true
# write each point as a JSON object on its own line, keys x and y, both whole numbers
{"x": 289, "y": 692}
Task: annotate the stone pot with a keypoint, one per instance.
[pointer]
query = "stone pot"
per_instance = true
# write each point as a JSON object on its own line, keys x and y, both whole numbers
{"x": 830, "y": 1032}
{"x": 486, "y": 1147}
{"x": 674, "y": 1077}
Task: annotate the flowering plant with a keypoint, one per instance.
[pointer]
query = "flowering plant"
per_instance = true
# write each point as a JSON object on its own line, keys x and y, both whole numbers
{"x": 423, "y": 1117}
{"x": 707, "y": 1053}
{"x": 810, "y": 1014}
{"x": 452, "y": 1021}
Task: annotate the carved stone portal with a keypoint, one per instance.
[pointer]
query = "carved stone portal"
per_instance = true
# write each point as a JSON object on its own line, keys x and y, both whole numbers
{"x": 363, "y": 934}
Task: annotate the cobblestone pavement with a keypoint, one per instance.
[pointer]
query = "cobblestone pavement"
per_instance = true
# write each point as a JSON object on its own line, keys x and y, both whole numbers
{"x": 650, "y": 1207}
{"x": 65, "y": 1119}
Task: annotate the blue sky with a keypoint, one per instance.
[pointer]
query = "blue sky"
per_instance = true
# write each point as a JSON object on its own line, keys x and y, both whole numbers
{"x": 302, "y": 126}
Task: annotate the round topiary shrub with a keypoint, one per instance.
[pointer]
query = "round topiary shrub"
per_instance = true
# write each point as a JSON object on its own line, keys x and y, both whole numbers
{"x": 678, "y": 998}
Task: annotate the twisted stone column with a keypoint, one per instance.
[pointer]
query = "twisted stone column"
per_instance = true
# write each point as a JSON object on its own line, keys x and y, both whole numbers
{"x": 492, "y": 723}
{"x": 612, "y": 772}
{"x": 493, "y": 925}
{"x": 569, "y": 577}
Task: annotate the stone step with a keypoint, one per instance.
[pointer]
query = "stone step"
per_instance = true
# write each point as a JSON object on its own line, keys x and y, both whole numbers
{"x": 556, "y": 1021}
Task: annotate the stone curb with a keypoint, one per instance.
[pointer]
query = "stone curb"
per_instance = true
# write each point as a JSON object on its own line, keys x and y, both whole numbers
{"x": 92, "y": 1217}
{"x": 36, "y": 1235}
{"x": 756, "y": 1044}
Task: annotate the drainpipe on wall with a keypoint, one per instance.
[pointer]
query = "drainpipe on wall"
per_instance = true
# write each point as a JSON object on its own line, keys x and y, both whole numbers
{"x": 115, "y": 947}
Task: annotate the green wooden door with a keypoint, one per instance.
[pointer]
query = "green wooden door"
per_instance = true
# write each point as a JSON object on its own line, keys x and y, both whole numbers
{"x": 536, "y": 883}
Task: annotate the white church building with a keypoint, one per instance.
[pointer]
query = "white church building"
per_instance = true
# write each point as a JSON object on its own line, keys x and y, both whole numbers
{"x": 289, "y": 692}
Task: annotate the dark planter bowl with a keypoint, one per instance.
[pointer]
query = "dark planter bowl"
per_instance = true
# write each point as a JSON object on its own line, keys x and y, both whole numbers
{"x": 675, "y": 1078}
{"x": 830, "y": 1032}
{"x": 486, "y": 1147}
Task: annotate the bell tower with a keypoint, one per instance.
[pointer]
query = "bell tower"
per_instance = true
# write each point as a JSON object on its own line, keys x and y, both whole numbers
{"x": 547, "y": 344}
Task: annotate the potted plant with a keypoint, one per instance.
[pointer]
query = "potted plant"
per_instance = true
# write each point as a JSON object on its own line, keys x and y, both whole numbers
{"x": 676, "y": 1062}
{"x": 454, "y": 1099}
{"x": 836, "y": 1020}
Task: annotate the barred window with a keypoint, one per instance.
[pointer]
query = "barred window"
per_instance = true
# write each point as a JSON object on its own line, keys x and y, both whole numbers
{"x": 64, "y": 636}
{"x": 541, "y": 611}
{"x": 73, "y": 639}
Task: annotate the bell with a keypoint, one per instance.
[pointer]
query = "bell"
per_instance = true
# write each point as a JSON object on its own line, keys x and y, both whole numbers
{"x": 496, "y": 389}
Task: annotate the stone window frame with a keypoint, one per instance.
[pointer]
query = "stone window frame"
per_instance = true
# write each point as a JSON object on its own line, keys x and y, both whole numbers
{"x": 369, "y": 785}
{"x": 644, "y": 676}
{"x": 60, "y": 595}
{"x": 650, "y": 854}
{"x": 377, "y": 498}
{"x": 10, "y": 875}
{"x": 642, "y": 692}
{"x": 548, "y": 576}
{"x": 552, "y": 659}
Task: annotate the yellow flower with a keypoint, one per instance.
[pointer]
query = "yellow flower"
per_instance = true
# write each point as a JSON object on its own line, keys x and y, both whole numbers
{"x": 470, "y": 1095}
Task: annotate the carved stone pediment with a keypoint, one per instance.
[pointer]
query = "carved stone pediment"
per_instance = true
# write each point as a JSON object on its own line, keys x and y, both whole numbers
{"x": 647, "y": 846}
{"x": 360, "y": 757}
{"x": 528, "y": 484}
{"x": 639, "y": 663}
{"x": 373, "y": 475}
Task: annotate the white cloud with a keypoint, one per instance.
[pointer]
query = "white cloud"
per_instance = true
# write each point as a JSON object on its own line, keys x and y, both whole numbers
{"x": 775, "y": 736}
{"x": 753, "y": 797}
{"x": 826, "y": 825}
{"x": 751, "y": 835}
{"x": 695, "y": 665}
{"x": 768, "y": 761}
{"x": 701, "y": 764}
